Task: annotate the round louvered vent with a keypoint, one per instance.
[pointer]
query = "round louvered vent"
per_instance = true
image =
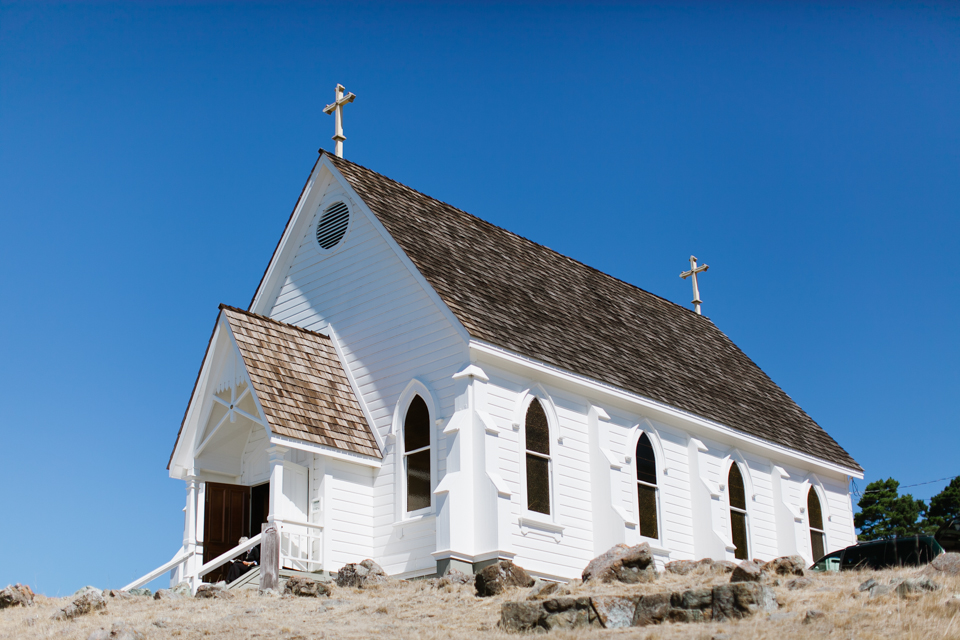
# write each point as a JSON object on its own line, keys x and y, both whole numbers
{"x": 332, "y": 225}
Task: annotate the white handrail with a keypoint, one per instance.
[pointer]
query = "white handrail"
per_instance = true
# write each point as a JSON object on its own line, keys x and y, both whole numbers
{"x": 178, "y": 559}
{"x": 227, "y": 556}
{"x": 312, "y": 525}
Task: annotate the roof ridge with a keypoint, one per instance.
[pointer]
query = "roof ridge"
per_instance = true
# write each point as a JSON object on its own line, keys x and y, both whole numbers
{"x": 517, "y": 235}
{"x": 274, "y": 321}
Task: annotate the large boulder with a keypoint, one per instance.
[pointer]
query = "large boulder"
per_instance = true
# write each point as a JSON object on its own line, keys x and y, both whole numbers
{"x": 213, "y": 591}
{"x": 916, "y": 586}
{"x": 616, "y": 611}
{"x": 87, "y": 603}
{"x": 493, "y": 579}
{"x": 16, "y": 595}
{"x": 792, "y": 566}
{"x": 683, "y": 567}
{"x": 747, "y": 571}
{"x": 944, "y": 564}
{"x": 623, "y": 564}
{"x": 453, "y": 577}
{"x": 364, "y": 575}
{"x": 306, "y": 588}
{"x": 742, "y": 599}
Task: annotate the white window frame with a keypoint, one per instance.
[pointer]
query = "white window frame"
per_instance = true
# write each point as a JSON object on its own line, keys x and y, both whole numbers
{"x": 736, "y": 458}
{"x": 414, "y": 388}
{"x": 527, "y": 397}
{"x": 658, "y": 461}
{"x": 813, "y": 483}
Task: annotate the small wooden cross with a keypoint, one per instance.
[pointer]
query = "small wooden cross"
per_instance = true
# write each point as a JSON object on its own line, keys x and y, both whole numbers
{"x": 694, "y": 270}
{"x": 337, "y": 107}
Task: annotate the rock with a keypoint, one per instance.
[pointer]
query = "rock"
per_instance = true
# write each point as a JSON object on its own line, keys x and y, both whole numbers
{"x": 213, "y": 591}
{"x": 652, "y": 609}
{"x": 542, "y": 589}
{"x": 878, "y": 590}
{"x": 623, "y": 564}
{"x": 813, "y": 616}
{"x": 867, "y": 585}
{"x": 742, "y": 599}
{"x": 453, "y": 577}
{"x": 82, "y": 591}
{"x": 16, "y": 595}
{"x": 615, "y": 611}
{"x": 916, "y": 586}
{"x": 785, "y": 566}
{"x": 945, "y": 563}
{"x": 569, "y": 613}
{"x": 166, "y": 594}
{"x": 87, "y": 603}
{"x": 366, "y": 574}
{"x": 747, "y": 571}
{"x": 721, "y": 567}
{"x": 493, "y": 579}
{"x": 798, "y": 583}
{"x": 183, "y": 589}
{"x": 161, "y": 623}
{"x": 693, "y": 599}
{"x": 116, "y": 593}
{"x": 140, "y": 592}
{"x": 520, "y": 616}
{"x": 683, "y": 567}
{"x": 305, "y": 587}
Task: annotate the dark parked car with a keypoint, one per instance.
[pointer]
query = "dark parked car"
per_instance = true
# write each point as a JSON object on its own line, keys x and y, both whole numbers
{"x": 880, "y": 554}
{"x": 949, "y": 536}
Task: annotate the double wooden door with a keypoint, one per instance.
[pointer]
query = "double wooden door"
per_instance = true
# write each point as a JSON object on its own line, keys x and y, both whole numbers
{"x": 227, "y": 518}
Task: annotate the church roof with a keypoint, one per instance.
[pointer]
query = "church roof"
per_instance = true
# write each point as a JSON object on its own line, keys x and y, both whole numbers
{"x": 300, "y": 383}
{"x": 524, "y": 297}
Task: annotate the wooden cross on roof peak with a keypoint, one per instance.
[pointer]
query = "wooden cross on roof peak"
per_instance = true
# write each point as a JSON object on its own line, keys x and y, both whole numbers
{"x": 694, "y": 270}
{"x": 337, "y": 107}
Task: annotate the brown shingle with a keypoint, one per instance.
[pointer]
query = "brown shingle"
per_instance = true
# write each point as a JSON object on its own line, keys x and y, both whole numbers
{"x": 300, "y": 383}
{"x": 516, "y": 294}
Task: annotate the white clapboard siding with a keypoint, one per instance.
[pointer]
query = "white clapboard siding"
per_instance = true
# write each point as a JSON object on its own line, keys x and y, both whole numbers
{"x": 390, "y": 331}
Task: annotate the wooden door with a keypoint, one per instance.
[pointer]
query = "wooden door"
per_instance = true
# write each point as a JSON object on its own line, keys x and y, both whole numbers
{"x": 226, "y": 519}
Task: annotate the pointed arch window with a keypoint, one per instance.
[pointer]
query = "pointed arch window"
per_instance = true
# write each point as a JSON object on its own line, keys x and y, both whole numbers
{"x": 818, "y": 538}
{"x": 416, "y": 454}
{"x": 537, "y": 447}
{"x": 647, "y": 488}
{"x": 738, "y": 512}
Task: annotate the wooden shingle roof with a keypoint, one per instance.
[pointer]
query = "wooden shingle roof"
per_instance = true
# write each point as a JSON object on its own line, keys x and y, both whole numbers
{"x": 524, "y": 297}
{"x": 300, "y": 383}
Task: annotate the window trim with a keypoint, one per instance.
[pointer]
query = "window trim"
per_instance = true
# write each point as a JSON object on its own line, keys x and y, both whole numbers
{"x": 526, "y": 398}
{"x": 813, "y": 483}
{"x": 413, "y": 389}
{"x": 658, "y": 458}
{"x": 736, "y": 458}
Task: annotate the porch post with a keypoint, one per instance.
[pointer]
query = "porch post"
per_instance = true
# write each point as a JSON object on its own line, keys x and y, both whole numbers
{"x": 190, "y": 530}
{"x": 275, "y": 455}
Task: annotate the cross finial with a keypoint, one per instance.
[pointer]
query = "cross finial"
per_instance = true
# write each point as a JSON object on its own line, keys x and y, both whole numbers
{"x": 694, "y": 270}
{"x": 337, "y": 107}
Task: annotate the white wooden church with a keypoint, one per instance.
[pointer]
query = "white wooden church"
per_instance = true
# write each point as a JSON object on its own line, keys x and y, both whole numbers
{"x": 417, "y": 386}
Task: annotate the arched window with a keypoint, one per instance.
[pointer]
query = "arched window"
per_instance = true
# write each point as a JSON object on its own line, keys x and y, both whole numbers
{"x": 817, "y": 537}
{"x": 537, "y": 446}
{"x": 647, "y": 487}
{"x": 416, "y": 454}
{"x": 738, "y": 512}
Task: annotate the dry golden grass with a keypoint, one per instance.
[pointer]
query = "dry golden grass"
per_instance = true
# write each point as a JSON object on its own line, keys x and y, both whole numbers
{"x": 417, "y": 610}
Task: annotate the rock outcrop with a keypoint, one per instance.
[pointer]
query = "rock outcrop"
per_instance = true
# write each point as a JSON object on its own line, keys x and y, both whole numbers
{"x": 364, "y": 575}
{"x": 306, "y": 588}
{"x": 87, "y": 603}
{"x": 724, "y": 602}
{"x": 213, "y": 591}
{"x": 790, "y": 566}
{"x": 747, "y": 571}
{"x": 944, "y": 564}
{"x": 493, "y": 579}
{"x": 16, "y": 595}
{"x": 623, "y": 564}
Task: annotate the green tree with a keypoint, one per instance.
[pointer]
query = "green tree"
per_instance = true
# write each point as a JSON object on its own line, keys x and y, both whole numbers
{"x": 944, "y": 507}
{"x": 884, "y": 513}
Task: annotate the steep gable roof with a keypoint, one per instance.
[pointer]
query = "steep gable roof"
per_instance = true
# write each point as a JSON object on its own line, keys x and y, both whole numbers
{"x": 300, "y": 383}
{"x": 524, "y": 297}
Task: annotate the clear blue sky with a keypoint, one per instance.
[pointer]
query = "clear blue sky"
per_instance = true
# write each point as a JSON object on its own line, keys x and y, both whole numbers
{"x": 151, "y": 153}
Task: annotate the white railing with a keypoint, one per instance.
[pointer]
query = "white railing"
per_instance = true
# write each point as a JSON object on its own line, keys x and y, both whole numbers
{"x": 301, "y": 545}
{"x": 177, "y": 560}
{"x": 227, "y": 556}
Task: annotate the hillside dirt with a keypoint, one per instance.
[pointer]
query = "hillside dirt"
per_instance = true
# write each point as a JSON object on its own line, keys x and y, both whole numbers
{"x": 418, "y": 610}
